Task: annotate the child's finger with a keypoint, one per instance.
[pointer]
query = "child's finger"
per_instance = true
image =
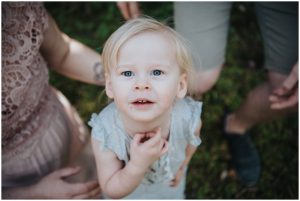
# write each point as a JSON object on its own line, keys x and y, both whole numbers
{"x": 161, "y": 144}
{"x": 165, "y": 147}
{"x": 137, "y": 139}
{"x": 150, "y": 134}
{"x": 153, "y": 133}
{"x": 154, "y": 140}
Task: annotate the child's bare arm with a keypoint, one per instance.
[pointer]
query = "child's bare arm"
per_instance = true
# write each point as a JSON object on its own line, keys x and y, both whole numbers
{"x": 117, "y": 180}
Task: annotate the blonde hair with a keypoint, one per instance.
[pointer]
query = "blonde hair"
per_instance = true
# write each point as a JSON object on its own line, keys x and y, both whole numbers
{"x": 141, "y": 25}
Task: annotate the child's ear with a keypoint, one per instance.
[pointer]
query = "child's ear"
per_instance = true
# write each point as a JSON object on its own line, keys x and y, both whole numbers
{"x": 182, "y": 86}
{"x": 108, "y": 86}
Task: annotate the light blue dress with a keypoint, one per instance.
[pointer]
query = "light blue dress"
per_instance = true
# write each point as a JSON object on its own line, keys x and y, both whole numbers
{"x": 108, "y": 129}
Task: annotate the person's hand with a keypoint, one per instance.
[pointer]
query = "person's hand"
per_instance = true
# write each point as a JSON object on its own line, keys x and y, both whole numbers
{"x": 53, "y": 186}
{"x": 144, "y": 154}
{"x": 178, "y": 176}
{"x": 129, "y": 10}
{"x": 287, "y": 94}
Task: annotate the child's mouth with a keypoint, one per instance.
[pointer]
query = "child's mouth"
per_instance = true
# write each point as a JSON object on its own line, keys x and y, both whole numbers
{"x": 142, "y": 102}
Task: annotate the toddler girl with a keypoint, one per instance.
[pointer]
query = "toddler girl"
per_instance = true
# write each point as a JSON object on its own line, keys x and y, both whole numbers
{"x": 144, "y": 140}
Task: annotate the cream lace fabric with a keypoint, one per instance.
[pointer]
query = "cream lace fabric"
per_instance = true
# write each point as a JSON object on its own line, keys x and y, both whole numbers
{"x": 108, "y": 129}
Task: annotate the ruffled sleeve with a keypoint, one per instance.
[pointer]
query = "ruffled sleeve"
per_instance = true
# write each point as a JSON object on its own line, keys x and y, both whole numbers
{"x": 106, "y": 129}
{"x": 194, "y": 109}
{"x": 98, "y": 131}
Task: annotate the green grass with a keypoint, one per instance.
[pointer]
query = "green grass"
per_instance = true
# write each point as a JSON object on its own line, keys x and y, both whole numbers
{"x": 277, "y": 141}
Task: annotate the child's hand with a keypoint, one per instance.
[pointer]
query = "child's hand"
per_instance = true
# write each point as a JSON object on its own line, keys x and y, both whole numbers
{"x": 144, "y": 154}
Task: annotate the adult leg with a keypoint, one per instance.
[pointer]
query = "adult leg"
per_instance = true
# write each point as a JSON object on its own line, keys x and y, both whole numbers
{"x": 256, "y": 108}
{"x": 279, "y": 26}
{"x": 205, "y": 26}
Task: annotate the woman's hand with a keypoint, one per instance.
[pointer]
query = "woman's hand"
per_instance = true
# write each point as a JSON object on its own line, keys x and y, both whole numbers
{"x": 174, "y": 182}
{"x": 54, "y": 186}
{"x": 144, "y": 154}
{"x": 129, "y": 10}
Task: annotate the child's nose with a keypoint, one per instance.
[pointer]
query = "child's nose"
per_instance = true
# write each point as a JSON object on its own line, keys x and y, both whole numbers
{"x": 142, "y": 85}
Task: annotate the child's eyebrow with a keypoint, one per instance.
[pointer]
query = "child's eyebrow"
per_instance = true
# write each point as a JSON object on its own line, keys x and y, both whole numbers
{"x": 125, "y": 66}
{"x": 160, "y": 65}
{"x": 150, "y": 65}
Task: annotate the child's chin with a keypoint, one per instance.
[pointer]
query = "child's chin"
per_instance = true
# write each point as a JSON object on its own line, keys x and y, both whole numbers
{"x": 143, "y": 117}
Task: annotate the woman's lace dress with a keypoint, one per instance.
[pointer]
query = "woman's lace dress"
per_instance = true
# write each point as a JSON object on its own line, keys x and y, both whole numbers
{"x": 39, "y": 127}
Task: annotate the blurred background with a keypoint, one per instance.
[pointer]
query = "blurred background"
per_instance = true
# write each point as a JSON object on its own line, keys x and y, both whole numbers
{"x": 210, "y": 175}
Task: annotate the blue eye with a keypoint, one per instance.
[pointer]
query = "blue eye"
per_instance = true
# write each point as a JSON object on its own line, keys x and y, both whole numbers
{"x": 127, "y": 73}
{"x": 157, "y": 72}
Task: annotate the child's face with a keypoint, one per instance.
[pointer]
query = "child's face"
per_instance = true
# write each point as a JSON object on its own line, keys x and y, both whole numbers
{"x": 147, "y": 79}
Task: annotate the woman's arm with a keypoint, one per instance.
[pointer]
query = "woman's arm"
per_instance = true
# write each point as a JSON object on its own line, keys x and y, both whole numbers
{"x": 70, "y": 57}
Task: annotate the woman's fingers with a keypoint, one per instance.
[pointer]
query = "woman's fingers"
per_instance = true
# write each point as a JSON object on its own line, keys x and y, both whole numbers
{"x": 66, "y": 172}
{"x": 80, "y": 189}
{"x": 93, "y": 194}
